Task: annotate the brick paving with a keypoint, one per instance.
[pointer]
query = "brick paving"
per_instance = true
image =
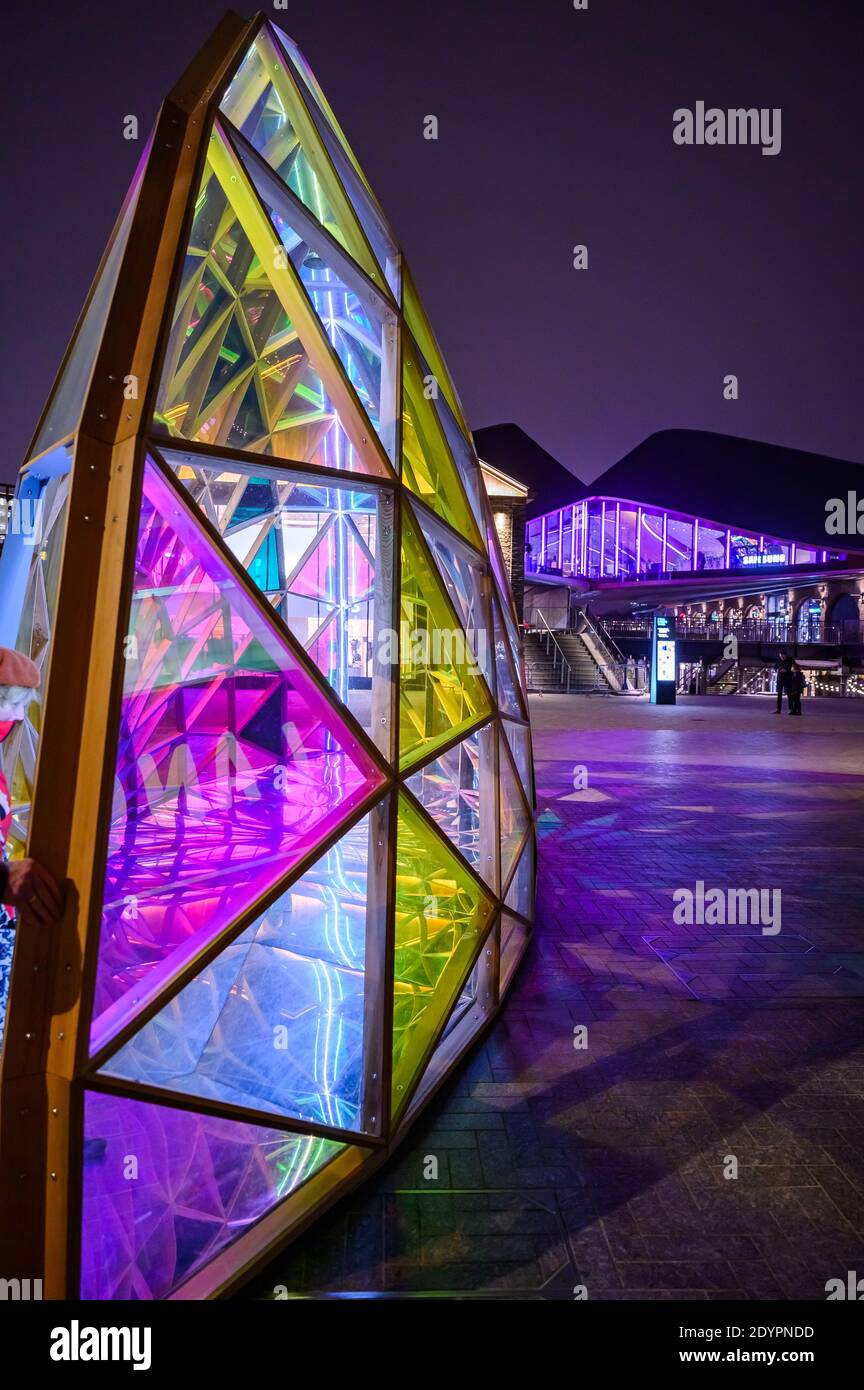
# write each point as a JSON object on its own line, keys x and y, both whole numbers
{"x": 604, "y": 1166}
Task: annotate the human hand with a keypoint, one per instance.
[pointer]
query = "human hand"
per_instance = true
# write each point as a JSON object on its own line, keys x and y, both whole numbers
{"x": 33, "y": 889}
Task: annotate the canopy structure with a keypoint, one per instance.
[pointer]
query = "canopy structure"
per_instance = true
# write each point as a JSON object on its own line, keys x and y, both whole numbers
{"x": 281, "y": 753}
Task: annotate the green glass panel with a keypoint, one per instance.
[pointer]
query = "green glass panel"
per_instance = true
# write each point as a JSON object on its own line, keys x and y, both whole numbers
{"x": 441, "y": 689}
{"x": 237, "y": 373}
{"x": 264, "y": 104}
{"x": 427, "y": 467}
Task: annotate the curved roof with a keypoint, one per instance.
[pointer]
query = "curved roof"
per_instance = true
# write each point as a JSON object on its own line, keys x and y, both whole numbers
{"x": 740, "y": 482}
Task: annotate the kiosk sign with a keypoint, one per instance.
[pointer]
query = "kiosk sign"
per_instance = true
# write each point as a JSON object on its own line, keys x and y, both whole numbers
{"x": 664, "y": 662}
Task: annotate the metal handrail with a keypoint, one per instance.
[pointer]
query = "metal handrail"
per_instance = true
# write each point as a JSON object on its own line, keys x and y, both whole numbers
{"x": 617, "y": 662}
{"x": 559, "y": 655}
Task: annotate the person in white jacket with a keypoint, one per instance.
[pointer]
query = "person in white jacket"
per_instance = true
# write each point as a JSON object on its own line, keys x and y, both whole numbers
{"x": 24, "y": 884}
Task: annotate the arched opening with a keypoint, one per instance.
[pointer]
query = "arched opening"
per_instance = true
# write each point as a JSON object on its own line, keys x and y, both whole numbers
{"x": 808, "y": 625}
{"x": 844, "y": 616}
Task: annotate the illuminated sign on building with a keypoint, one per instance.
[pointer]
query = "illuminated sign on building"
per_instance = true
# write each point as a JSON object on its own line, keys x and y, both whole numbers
{"x": 768, "y": 557}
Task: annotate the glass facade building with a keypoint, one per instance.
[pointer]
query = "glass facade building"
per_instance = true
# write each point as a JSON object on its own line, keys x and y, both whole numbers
{"x": 618, "y": 539}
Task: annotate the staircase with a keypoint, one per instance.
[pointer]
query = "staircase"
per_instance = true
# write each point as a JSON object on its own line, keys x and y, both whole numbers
{"x": 542, "y": 674}
{"x": 546, "y": 672}
{"x": 725, "y": 678}
{"x": 586, "y": 673}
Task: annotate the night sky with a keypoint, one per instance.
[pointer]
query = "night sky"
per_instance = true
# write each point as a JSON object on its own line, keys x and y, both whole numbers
{"x": 555, "y": 129}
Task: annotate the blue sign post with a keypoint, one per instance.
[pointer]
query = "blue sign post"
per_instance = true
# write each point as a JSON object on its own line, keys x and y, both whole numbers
{"x": 664, "y": 662}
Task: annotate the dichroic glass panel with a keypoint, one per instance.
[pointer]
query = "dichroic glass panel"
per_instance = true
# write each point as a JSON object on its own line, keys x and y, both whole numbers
{"x": 165, "y": 1190}
{"x": 231, "y": 764}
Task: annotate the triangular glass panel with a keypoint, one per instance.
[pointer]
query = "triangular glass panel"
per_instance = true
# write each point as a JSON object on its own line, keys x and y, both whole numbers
{"x": 465, "y": 574}
{"x": 458, "y": 791}
{"x": 441, "y": 689}
{"x": 520, "y": 894}
{"x": 323, "y": 556}
{"x": 514, "y": 939}
{"x": 263, "y": 102}
{"x": 277, "y": 1021}
{"x": 504, "y": 595}
{"x": 248, "y": 365}
{"x": 70, "y": 389}
{"x": 28, "y": 614}
{"x": 441, "y": 915}
{"x": 420, "y": 330}
{"x": 519, "y": 739}
{"x": 356, "y": 318}
{"x": 427, "y": 468}
{"x": 231, "y": 765}
{"x": 515, "y": 818}
{"x": 457, "y": 447}
{"x": 508, "y": 699}
{"x": 199, "y": 1183}
{"x": 351, "y": 176}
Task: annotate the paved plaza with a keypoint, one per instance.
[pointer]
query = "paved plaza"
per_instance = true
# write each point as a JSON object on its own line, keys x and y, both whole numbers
{"x": 709, "y": 1049}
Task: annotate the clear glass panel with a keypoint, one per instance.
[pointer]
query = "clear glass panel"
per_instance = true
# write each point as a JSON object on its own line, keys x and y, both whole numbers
{"x": 594, "y": 538}
{"x": 710, "y": 548}
{"x": 458, "y": 790}
{"x": 519, "y": 739}
{"x": 520, "y": 894}
{"x": 506, "y": 680}
{"x": 514, "y": 939}
{"x": 323, "y": 556}
{"x": 441, "y": 914}
{"x": 67, "y": 400}
{"x": 553, "y": 541}
{"x": 40, "y": 515}
{"x": 277, "y": 1020}
{"x": 651, "y": 543}
{"x": 198, "y": 1183}
{"x": 609, "y": 533}
{"x": 231, "y": 764}
{"x": 441, "y": 688}
{"x": 679, "y": 544}
{"x": 534, "y": 545}
{"x": 627, "y": 542}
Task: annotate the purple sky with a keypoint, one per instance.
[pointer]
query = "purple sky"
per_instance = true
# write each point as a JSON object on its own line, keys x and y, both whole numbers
{"x": 555, "y": 129}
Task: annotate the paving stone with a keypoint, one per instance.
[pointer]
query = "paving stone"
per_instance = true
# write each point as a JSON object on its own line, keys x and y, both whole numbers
{"x": 605, "y": 1165}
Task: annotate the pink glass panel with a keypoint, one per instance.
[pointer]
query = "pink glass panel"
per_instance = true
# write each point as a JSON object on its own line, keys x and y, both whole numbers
{"x": 231, "y": 763}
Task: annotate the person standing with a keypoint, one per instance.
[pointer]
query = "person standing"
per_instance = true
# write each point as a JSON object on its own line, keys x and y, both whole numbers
{"x": 796, "y": 684}
{"x": 24, "y": 884}
{"x": 784, "y": 670}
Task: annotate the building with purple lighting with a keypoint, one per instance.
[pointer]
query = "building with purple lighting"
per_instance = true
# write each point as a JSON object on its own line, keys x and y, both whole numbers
{"x": 730, "y": 535}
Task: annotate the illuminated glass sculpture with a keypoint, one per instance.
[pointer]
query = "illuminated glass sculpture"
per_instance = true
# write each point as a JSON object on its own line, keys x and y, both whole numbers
{"x": 281, "y": 756}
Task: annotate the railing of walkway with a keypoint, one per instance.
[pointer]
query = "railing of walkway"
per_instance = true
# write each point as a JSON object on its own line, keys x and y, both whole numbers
{"x": 560, "y": 664}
